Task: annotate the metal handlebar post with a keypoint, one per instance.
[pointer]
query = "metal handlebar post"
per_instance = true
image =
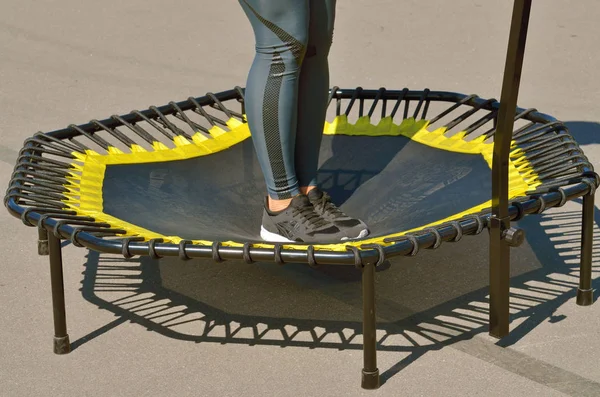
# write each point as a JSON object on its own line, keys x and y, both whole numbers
{"x": 500, "y": 220}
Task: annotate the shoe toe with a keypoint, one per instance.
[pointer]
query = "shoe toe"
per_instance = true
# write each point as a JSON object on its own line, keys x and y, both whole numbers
{"x": 357, "y": 231}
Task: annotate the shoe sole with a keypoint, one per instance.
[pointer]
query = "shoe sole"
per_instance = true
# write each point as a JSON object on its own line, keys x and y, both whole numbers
{"x": 363, "y": 233}
{"x": 273, "y": 237}
{"x": 277, "y": 238}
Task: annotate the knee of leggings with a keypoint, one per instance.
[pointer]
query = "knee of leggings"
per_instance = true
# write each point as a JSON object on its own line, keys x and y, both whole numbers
{"x": 292, "y": 50}
{"x": 320, "y": 45}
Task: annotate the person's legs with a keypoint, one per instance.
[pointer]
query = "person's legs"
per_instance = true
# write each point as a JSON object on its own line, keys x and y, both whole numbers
{"x": 312, "y": 109}
{"x": 313, "y": 92}
{"x": 271, "y": 97}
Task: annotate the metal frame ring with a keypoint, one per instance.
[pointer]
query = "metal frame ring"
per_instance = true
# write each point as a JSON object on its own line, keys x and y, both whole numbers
{"x": 542, "y": 201}
{"x": 246, "y": 253}
{"x": 563, "y": 197}
{"x": 74, "y": 239}
{"x": 125, "y": 249}
{"x": 358, "y": 263}
{"x": 438, "y": 237}
{"x": 152, "y": 248}
{"x": 480, "y": 223}
{"x": 381, "y": 258}
{"x": 380, "y": 250}
{"x": 520, "y": 211}
{"x": 43, "y": 219}
{"x": 310, "y": 252}
{"x": 415, "y": 244}
{"x": 215, "y": 252}
{"x": 277, "y": 254}
{"x": 182, "y": 254}
{"x": 459, "y": 231}
{"x": 24, "y": 217}
{"x": 56, "y": 228}
{"x": 591, "y": 184}
{"x": 594, "y": 176}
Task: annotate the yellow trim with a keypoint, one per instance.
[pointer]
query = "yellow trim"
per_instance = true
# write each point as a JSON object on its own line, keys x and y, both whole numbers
{"x": 87, "y": 173}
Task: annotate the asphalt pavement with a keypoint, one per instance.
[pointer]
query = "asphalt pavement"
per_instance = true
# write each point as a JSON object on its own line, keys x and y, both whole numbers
{"x": 169, "y": 328}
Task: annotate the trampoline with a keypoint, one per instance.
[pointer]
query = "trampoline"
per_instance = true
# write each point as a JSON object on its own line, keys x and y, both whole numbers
{"x": 421, "y": 167}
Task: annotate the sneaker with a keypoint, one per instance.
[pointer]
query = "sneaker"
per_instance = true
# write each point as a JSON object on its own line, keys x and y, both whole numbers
{"x": 353, "y": 228}
{"x": 298, "y": 223}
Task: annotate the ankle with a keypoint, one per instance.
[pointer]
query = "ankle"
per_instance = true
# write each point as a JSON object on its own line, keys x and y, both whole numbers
{"x": 306, "y": 189}
{"x": 278, "y": 205}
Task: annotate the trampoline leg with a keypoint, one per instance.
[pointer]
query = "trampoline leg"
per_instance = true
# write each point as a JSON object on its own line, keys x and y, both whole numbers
{"x": 42, "y": 241}
{"x": 499, "y": 283}
{"x": 370, "y": 372}
{"x": 585, "y": 294}
{"x": 61, "y": 338}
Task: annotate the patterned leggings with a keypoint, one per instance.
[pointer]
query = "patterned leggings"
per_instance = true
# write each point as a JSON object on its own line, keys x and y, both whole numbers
{"x": 287, "y": 89}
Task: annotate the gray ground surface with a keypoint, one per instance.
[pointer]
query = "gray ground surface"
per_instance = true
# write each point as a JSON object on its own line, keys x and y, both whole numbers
{"x": 67, "y": 62}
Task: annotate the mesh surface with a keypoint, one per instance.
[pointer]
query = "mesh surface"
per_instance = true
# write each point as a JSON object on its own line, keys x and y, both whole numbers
{"x": 391, "y": 183}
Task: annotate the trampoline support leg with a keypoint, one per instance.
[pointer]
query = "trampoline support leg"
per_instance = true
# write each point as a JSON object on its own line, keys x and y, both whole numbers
{"x": 42, "y": 241}
{"x": 499, "y": 321}
{"x": 370, "y": 372}
{"x": 61, "y": 338}
{"x": 585, "y": 293}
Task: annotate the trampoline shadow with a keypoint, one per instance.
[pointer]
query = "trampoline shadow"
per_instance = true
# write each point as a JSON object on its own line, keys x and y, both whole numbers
{"x": 584, "y": 132}
{"x": 424, "y": 303}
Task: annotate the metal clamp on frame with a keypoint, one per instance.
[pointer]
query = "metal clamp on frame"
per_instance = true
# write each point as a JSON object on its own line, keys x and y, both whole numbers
{"x": 513, "y": 236}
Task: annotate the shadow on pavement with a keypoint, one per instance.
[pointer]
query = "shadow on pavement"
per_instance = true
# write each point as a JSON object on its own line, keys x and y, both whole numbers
{"x": 584, "y": 132}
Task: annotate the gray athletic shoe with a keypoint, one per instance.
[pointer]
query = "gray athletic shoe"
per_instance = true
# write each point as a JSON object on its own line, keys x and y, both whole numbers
{"x": 298, "y": 223}
{"x": 353, "y": 228}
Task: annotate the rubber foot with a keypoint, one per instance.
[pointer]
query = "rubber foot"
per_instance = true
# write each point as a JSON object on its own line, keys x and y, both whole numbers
{"x": 43, "y": 247}
{"x": 585, "y": 297}
{"x": 370, "y": 380}
{"x": 62, "y": 345}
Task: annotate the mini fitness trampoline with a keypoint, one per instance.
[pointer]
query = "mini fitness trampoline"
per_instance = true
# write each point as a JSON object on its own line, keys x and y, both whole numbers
{"x": 182, "y": 180}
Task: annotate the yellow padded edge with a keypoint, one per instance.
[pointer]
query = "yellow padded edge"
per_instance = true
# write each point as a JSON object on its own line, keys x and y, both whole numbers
{"x": 87, "y": 171}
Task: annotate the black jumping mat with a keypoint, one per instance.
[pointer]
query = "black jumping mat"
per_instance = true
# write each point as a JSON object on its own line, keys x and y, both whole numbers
{"x": 392, "y": 183}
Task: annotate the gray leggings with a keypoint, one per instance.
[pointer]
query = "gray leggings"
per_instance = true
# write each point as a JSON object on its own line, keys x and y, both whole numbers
{"x": 287, "y": 89}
